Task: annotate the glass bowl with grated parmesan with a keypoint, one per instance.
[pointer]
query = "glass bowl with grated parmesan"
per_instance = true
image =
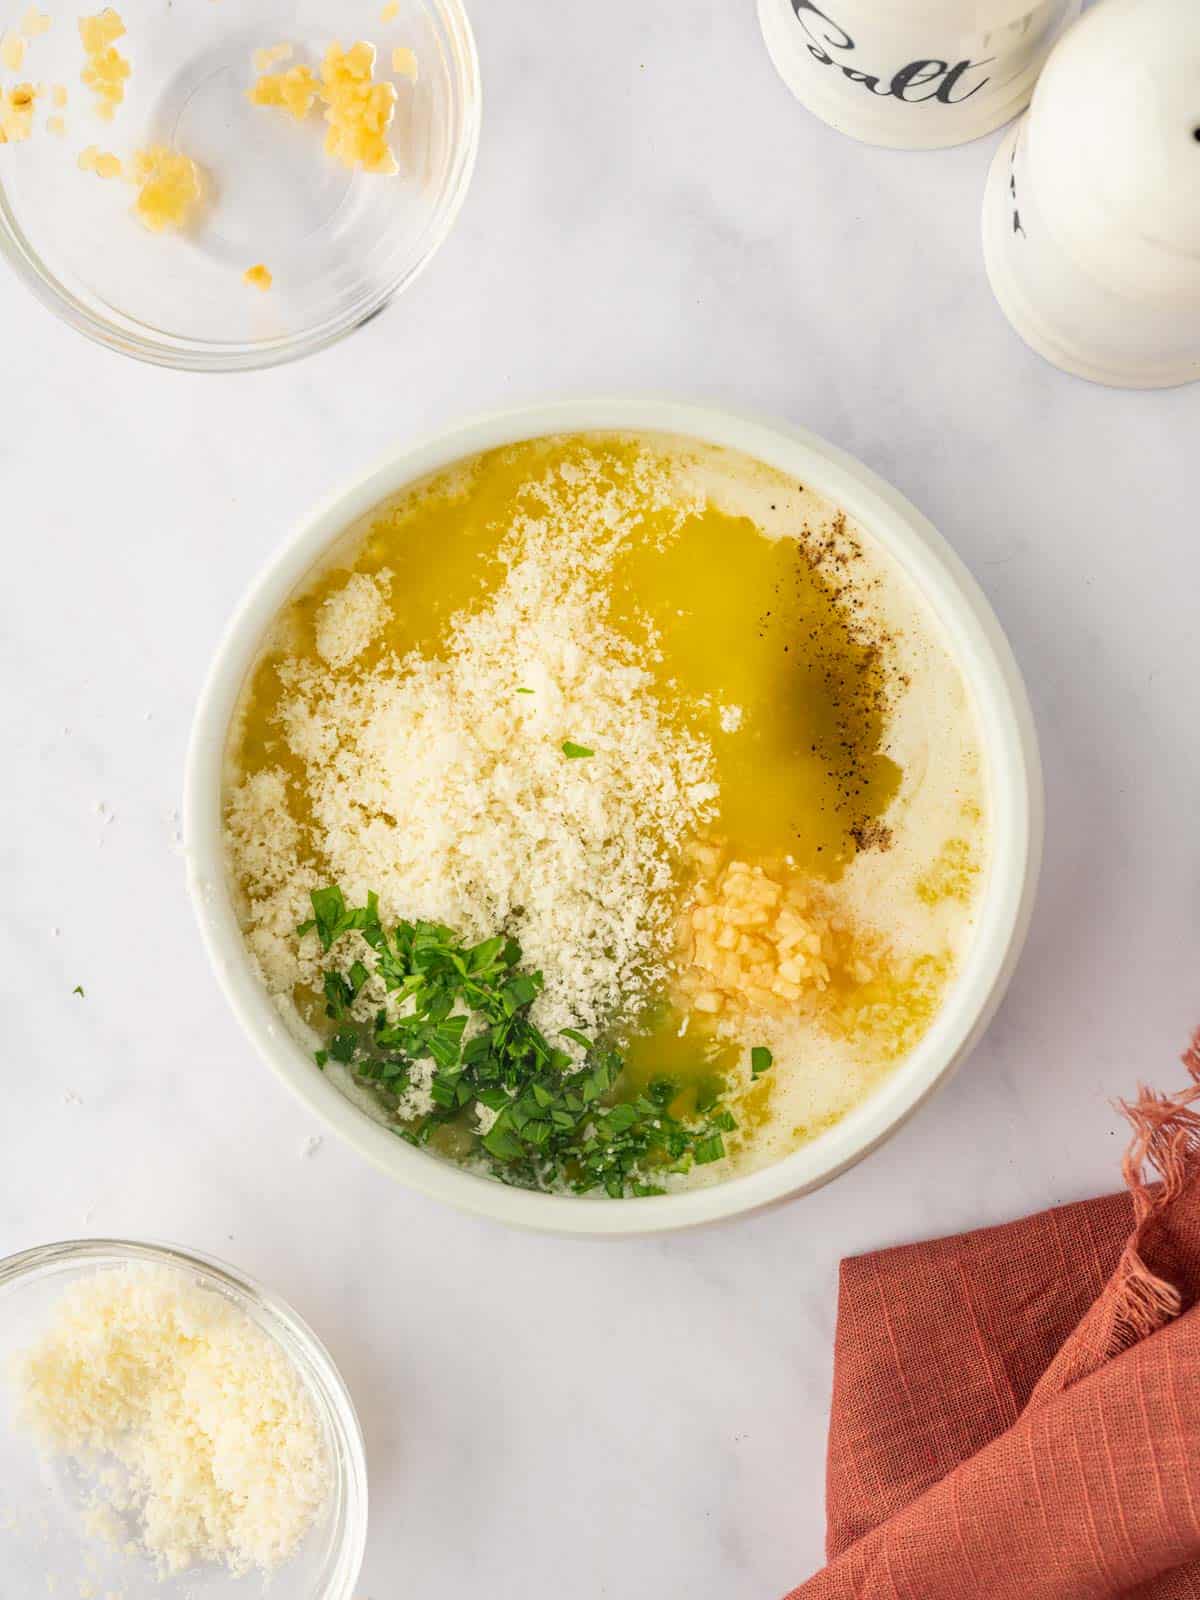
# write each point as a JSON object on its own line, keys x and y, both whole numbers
{"x": 169, "y": 1427}
{"x": 224, "y": 188}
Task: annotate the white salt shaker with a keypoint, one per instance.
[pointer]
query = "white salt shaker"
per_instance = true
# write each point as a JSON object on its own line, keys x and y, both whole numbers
{"x": 1091, "y": 219}
{"x": 913, "y": 74}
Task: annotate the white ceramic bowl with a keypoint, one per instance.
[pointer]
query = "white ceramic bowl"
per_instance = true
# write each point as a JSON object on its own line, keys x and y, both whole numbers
{"x": 1014, "y": 783}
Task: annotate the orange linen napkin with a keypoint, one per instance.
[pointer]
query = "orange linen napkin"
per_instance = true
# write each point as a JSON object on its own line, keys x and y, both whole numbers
{"x": 1016, "y": 1412}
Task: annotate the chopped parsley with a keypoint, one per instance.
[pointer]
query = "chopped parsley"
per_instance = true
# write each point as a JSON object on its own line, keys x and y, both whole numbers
{"x": 524, "y": 691}
{"x": 331, "y": 919}
{"x": 553, "y": 1118}
{"x": 78, "y": 989}
{"x": 761, "y": 1060}
{"x": 575, "y": 752}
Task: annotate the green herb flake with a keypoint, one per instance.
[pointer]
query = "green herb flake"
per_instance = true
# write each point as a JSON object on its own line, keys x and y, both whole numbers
{"x": 576, "y": 752}
{"x": 78, "y": 989}
{"x": 343, "y": 1045}
{"x": 524, "y": 691}
{"x": 709, "y": 1149}
{"x": 761, "y": 1060}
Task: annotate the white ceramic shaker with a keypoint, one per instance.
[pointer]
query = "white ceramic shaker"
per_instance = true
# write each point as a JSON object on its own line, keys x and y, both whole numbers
{"x": 1091, "y": 219}
{"x": 913, "y": 74}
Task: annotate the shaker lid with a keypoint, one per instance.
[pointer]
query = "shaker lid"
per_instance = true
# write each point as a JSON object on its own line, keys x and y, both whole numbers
{"x": 1114, "y": 144}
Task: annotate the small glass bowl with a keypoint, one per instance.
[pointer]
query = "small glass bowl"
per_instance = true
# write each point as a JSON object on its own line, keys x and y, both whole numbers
{"x": 44, "y": 1545}
{"x": 338, "y": 244}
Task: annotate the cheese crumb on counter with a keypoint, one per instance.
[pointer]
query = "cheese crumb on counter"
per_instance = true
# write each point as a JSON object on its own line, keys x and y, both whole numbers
{"x": 106, "y": 69}
{"x": 404, "y": 62}
{"x": 190, "y": 1418}
{"x": 390, "y": 11}
{"x": 258, "y": 277}
{"x": 34, "y": 23}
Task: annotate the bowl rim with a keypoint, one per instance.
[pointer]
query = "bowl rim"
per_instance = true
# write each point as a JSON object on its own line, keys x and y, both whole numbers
{"x": 302, "y": 1347}
{"x": 1008, "y": 737}
{"x": 156, "y": 348}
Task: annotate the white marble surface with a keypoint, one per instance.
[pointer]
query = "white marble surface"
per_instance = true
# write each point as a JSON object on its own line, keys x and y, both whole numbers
{"x": 651, "y": 210}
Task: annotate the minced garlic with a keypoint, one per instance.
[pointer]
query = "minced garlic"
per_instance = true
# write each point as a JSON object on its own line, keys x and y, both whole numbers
{"x": 106, "y": 69}
{"x": 258, "y": 277}
{"x": 100, "y": 162}
{"x": 265, "y": 59}
{"x": 294, "y": 91}
{"x": 12, "y": 51}
{"x": 763, "y": 941}
{"x": 358, "y": 109}
{"x": 750, "y": 941}
{"x": 169, "y": 187}
{"x": 16, "y": 113}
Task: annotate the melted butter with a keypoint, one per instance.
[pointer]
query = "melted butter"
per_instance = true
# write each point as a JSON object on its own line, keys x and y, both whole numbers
{"x": 750, "y": 624}
{"x": 702, "y": 1064}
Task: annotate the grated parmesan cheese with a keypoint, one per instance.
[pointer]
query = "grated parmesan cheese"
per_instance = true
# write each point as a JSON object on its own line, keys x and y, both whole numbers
{"x": 351, "y": 618}
{"x": 189, "y": 1417}
{"x": 432, "y": 781}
